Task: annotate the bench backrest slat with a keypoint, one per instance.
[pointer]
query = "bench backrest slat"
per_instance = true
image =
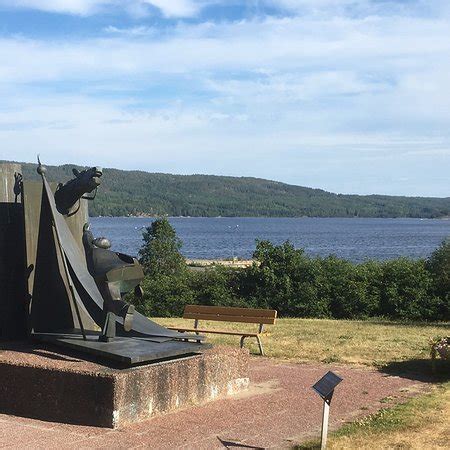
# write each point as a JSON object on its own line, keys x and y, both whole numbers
{"x": 230, "y": 314}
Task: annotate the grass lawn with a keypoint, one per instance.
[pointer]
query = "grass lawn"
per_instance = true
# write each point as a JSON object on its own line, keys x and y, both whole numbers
{"x": 342, "y": 341}
{"x": 420, "y": 423}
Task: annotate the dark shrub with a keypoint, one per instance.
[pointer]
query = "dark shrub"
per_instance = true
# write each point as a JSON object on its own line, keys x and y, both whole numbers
{"x": 217, "y": 286}
{"x": 406, "y": 291}
{"x": 346, "y": 286}
{"x": 285, "y": 279}
{"x": 165, "y": 295}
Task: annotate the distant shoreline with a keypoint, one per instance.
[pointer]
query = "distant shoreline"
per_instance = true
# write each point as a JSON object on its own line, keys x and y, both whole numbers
{"x": 267, "y": 217}
{"x": 203, "y": 263}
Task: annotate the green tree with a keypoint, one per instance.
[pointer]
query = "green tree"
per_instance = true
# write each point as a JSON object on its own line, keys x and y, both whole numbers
{"x": 438, "y": 264}
{"x": 167, "y": 282}
{"x": 160, "y": 254}
{"x": 133, "y": 192}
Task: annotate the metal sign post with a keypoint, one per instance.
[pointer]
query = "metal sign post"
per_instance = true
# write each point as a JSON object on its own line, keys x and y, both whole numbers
{"x": 325, "y": 388}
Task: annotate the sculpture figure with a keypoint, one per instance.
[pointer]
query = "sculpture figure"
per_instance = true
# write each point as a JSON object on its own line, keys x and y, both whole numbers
{"x": 116, "y": 274}
{"x": 71, "y": 192}
{"x": 76, "y": 283}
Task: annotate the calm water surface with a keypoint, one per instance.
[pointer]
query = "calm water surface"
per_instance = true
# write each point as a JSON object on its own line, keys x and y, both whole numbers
{"x": 217, "y": 238}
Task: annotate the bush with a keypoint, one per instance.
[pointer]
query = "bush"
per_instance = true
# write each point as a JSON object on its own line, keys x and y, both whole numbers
{"x": 165, "y": 295}
{"x": 345, "y": 285}
{"x": 439, "y": 267}
{"x": 285, "y": 279}
{"x": 167, "y": 282}
{"x": 296, "y": 285}
{"x": 405, "y": 292}
{"x": 217, "y": 286}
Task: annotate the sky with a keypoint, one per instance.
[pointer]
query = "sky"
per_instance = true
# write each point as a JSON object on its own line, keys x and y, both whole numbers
{"x": 350, "y": 96}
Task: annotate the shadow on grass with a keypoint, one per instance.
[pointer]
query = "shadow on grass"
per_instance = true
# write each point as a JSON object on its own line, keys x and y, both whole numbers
{"x": 314, "y": 445}
{"x": 400, "y": 323}
{"x": 419, "y": 370}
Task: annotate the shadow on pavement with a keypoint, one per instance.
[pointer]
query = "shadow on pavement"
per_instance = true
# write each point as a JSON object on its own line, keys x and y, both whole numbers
{"x": 231, "y": 444}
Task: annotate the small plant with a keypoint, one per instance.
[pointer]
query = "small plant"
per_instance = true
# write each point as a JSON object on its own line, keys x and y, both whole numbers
{"x": 439, "y": 346}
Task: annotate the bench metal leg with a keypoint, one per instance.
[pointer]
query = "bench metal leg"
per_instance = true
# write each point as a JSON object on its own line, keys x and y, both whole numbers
{"x": 261, "y": 349}
{"x": 260, "y": 345}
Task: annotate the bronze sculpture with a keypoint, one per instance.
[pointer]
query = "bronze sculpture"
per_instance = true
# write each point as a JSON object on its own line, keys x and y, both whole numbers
{"x": 68, "y": 194}
{"x": 76, "y": 283}
{"x": 116, "y": 274}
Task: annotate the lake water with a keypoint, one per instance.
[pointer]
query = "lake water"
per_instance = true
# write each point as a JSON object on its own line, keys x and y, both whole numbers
{"x": 355, "y": 239}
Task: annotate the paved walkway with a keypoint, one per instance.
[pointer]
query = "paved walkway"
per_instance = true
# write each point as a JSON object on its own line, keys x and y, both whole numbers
{"x": 278, "y": 411}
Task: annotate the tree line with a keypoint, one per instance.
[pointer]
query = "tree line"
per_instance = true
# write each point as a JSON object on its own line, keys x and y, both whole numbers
{"x": 296, "y": 285}
{"x": 125, "y": 193}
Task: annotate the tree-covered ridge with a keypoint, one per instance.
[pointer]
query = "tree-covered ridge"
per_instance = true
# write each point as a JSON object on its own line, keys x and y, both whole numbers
{"x": 137, "y": 192}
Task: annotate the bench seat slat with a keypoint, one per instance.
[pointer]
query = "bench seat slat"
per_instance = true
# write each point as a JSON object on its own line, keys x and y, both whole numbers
{"x": 229, "y": 318}
{"x": 230, "y": 311}
{"x": 199, "y": 330}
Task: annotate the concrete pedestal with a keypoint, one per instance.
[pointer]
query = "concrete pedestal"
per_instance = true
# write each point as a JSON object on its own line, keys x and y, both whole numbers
{"x": 49, "y": 385}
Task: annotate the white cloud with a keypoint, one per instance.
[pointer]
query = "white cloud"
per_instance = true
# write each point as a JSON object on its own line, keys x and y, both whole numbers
{"x": 310, "y": 99}
{"x": 175, "y": 8}
{"x": 169, "y": 8}
{"x": 361, "y": 7}
{"x": 78, "y": 7}
{"x": 191, "y": 8}
{"x": 133, "y": 31}
{"x": 272, "y": 45}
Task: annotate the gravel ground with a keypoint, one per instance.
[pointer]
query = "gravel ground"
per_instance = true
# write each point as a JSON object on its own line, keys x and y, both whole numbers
{"x": 279, "y": 410}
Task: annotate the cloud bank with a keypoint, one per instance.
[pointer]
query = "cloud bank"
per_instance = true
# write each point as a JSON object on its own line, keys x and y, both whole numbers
{"x": 348, "y": 96}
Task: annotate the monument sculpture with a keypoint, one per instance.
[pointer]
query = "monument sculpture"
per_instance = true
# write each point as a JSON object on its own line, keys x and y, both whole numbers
{"x": 72, "y": 284}
{"x": 72, "y": 349}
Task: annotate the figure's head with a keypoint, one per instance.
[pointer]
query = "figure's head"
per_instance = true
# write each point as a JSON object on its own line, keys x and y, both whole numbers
{"x": 89, "y": 178}
{"x": 102, "y": 242}
{"x": 85, "y": 182}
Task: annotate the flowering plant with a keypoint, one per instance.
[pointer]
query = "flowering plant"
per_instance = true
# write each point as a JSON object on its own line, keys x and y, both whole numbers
{"x": 440, "y": 346}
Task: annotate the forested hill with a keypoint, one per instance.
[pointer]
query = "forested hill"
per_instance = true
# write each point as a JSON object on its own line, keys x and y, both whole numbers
{"x": 136, "y": 193}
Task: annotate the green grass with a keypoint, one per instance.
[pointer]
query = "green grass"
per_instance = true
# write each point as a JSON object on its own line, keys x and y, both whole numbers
{"x": 420, "y": 423}
{"x": 370, "y": 343}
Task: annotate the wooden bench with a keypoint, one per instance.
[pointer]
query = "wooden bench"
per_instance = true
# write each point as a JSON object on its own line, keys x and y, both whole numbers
{"x": 228, "y": 314}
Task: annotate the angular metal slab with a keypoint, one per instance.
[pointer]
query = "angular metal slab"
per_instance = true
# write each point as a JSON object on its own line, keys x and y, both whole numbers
{"x": 126, "y": 350}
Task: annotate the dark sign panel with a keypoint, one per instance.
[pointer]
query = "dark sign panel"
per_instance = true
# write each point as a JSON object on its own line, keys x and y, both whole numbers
{"x": 325, "y": 386}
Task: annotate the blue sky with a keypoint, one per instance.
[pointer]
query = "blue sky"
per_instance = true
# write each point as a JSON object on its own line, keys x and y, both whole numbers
{"x": 352, "y": 96}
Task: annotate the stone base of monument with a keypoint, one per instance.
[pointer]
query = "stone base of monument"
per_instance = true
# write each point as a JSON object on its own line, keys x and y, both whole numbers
{"x": 60, "y": 387}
